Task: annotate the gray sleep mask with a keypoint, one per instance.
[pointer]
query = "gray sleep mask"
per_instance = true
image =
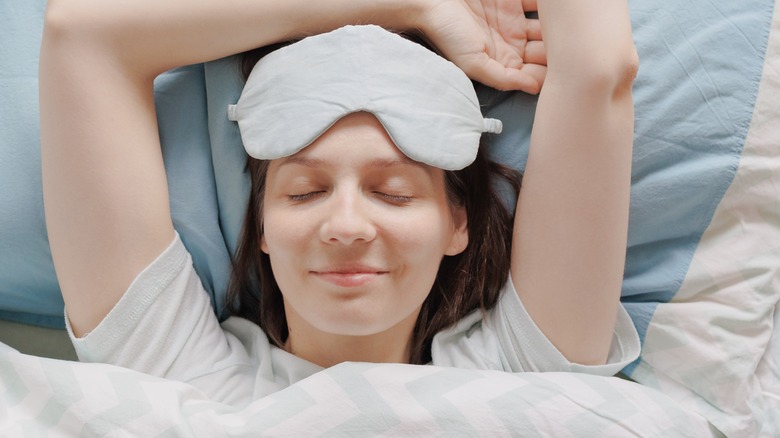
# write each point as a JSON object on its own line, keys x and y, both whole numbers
{"x": 427, "y": 104}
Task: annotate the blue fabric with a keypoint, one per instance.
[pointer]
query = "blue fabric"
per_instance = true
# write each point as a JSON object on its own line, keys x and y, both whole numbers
{"x": 28, "y": 287}
{"x": 182, "y": 116}
{"x": 701, "y": 65}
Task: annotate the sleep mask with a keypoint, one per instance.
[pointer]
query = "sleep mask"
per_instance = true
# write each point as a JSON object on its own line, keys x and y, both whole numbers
{"x": 426, "y": 104}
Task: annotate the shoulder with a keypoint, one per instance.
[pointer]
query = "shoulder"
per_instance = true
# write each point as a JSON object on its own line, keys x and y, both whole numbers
{"x": 506, "y": 338}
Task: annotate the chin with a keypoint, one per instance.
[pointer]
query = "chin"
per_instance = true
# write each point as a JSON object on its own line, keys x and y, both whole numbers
{"x": 351, "y": 325}
{"x": 364, "y": 316}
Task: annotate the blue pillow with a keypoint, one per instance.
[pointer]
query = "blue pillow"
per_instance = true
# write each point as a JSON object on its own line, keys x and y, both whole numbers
{"x": 28, "y": 286}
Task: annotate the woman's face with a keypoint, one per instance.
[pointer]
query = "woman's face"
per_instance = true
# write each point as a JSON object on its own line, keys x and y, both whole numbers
{"x": 356, "y": 231}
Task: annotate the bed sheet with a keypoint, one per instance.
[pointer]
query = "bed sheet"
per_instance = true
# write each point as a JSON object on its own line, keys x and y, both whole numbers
{"x": 768, "y": 374}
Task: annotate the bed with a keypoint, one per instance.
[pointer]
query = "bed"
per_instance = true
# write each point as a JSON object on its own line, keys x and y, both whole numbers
{"x": 702, "y": 278}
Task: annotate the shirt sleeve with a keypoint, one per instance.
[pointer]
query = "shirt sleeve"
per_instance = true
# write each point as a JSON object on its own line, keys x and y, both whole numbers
{"x": 164, "y": 326}
{"x": 506, "y": 338}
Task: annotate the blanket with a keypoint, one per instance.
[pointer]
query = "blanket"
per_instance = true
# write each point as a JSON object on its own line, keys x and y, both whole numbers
{"x": 46, "y": 396}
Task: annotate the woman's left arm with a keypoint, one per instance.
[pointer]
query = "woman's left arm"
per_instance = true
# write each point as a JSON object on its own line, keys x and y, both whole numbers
{"x": 571, "y": 221}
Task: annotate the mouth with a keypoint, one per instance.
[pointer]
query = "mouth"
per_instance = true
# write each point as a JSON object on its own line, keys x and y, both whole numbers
{"x": 351, "y": 276}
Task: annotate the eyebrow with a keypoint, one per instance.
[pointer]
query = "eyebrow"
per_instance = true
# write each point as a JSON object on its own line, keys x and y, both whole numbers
{"x": 301, "y": 161}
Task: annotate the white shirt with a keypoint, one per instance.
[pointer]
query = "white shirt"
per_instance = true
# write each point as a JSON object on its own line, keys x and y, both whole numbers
{"x": 164, "y": 325}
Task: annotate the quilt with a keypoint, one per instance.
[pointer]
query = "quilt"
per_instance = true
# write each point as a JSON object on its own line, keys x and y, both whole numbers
{"x": 47, "y": 397}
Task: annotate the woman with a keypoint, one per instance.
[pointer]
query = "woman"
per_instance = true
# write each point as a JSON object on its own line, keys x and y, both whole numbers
{"x": 107, "y": 207}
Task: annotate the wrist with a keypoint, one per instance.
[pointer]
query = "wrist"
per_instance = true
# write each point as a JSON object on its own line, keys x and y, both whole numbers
{"x": 411, "y": 14}
{"x": 392, "y": 14}
{"x": 395, "y": 15}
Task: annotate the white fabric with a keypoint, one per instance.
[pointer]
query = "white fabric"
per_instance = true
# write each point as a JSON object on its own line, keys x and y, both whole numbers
{"x": 507, "y": 339}
{"x": 164, "y": 326}
{"x": 427, "y": 104}
{"x": 56, "y": 398}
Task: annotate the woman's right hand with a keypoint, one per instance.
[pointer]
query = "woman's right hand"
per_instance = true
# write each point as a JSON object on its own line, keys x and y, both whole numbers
{"x": 491, "y": 40}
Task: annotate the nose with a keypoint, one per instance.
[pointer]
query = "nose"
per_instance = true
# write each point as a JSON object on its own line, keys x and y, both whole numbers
{"x": 347, "y": 219}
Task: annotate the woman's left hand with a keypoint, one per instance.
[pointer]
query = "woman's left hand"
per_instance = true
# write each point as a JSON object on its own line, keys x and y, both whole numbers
{"x": 491, "y": 40}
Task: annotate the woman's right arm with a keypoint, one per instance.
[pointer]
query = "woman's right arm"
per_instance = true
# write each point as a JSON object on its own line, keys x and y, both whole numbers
{"x": 104, "y": 185}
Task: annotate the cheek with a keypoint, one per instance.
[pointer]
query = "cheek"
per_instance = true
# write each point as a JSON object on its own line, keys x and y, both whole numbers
{"x": 426, "y": 234}
{"x": 282, "y": 231}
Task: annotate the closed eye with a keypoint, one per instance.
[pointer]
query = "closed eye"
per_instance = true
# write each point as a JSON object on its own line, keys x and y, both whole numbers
{"x": 304, "y": 196}
{"x": 397, "y": 199}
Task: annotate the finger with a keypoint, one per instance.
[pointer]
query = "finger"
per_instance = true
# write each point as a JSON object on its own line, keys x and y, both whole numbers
{"x": 534, "y": 30}
{"x": 537, "y": 73}
{"x": 530, "y": 6}
{"x": 494, "y": 74}
{"x": 535, "y": 53}
{"x": 515, "y": 62}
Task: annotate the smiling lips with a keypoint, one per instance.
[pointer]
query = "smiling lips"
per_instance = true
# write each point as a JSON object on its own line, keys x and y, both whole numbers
{"x": 350, "y": 276}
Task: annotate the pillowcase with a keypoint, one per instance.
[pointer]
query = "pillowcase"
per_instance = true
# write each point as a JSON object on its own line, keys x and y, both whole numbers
{"x": 704, "y": 344}
{"x": 703, "y": 280}
{"x": 28, "y": 286}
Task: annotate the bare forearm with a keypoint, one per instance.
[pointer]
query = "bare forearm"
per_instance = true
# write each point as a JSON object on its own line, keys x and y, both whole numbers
{"x": 572, "y": 217}
{"x": 154, "y": 35}
{"x": 588, "y": 38}
{"x": 104, "y": 183}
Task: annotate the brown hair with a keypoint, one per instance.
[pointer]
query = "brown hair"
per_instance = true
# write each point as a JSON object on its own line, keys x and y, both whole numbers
{"x": 465, "y": 282}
